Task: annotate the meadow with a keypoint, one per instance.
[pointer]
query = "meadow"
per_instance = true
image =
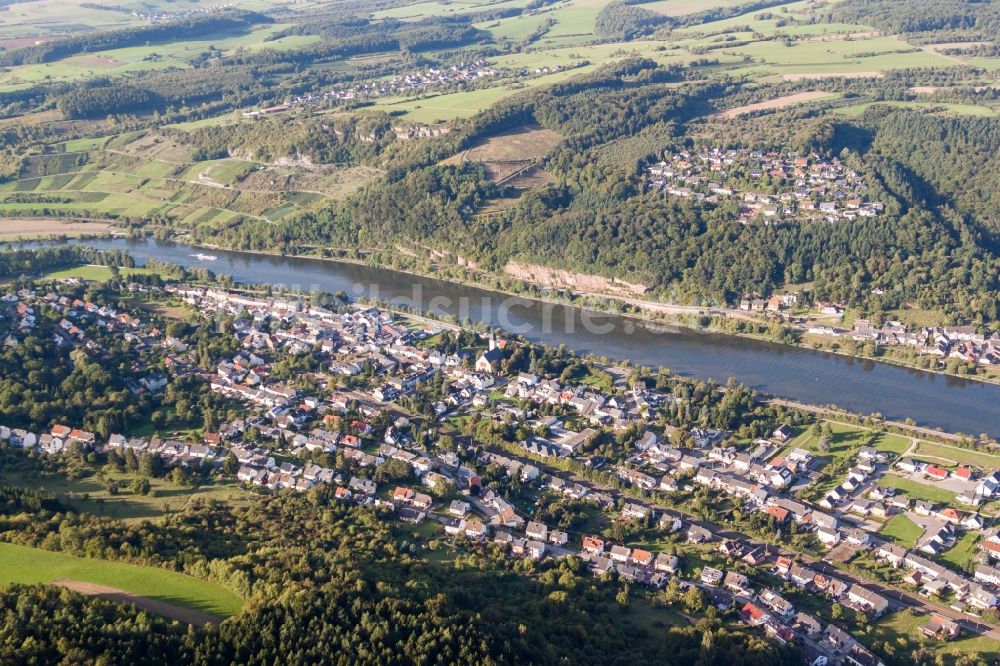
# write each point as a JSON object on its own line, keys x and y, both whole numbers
{"x": 957, "y": 455}
{"x": 20, "y": 564}
{"x": 901, "y": 530}
{"x": 916, "y": 490}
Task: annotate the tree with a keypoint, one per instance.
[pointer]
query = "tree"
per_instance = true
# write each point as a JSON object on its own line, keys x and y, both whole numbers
{"x": 141, "y": 486}
{"x": 231, "y": 465}
{"x": 694, "y": 600}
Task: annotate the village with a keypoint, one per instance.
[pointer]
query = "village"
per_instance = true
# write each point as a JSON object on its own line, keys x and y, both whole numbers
{"x": 358, "y": 418}
{"x": 965, "y": 343}
{"x": 771, "y": 187}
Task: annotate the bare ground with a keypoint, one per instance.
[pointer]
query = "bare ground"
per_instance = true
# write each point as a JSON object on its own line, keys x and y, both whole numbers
{"x": 186, "y": 615}
{"x": 17, "y": 228}
{"x": 528, "y": 142}
{"x": 776, "y": 103}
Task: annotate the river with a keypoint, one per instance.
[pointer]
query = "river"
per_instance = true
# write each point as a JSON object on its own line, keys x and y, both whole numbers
{"x": 793, "y": 373}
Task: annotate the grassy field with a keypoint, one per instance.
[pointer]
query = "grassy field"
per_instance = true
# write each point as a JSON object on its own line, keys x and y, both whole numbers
{"x": 93, "y": 273}
{"x": 890, "y": 443}
{"x": 957, "y": 455}
{"x": 19, "y": 564}
{"x": 917, "y": 490}
{"x": 963, "y": 551}
{"x": 901, "y": 530}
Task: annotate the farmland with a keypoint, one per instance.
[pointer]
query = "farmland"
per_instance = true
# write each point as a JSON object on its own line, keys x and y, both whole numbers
{"x": 19, "y": 564}
{"x": 11, "y": 229}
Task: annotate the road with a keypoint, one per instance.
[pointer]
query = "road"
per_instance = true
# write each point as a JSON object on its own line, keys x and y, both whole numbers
{"x": 897, "y": 599}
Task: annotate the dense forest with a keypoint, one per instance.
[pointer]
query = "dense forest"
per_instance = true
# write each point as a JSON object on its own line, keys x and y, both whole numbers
{"x": 975, "y": 18}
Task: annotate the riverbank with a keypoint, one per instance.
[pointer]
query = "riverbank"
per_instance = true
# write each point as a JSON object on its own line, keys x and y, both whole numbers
{"x": 691, "y": 318}
{"x": 649, "y": 311}
{"x": 786, "y": 371}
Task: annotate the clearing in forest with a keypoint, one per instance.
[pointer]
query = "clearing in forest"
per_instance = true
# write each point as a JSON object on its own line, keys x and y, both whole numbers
{"x": 778, "y": 103}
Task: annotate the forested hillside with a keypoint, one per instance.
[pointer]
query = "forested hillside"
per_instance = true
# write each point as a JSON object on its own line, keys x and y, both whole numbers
{"x": 934, "y": 247}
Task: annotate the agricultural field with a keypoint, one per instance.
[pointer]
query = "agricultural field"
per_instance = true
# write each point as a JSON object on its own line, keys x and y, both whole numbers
{"x": 13, "y": 229}
{"x": 19, "y": 564}
{"x": 144, "y": 175}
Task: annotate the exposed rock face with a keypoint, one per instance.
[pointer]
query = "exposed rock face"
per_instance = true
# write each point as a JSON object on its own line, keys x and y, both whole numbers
{"x": 563, "y": 279}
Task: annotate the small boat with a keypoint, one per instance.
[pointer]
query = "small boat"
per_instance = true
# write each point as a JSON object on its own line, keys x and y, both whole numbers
{"x": 204, "y": 257}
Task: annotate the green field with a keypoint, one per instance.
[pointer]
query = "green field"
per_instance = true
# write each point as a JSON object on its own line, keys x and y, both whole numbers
{"x": 93, "y": 273}
{"x": 916, "y": 490}
{"x": 901, "y": 530}
{"x": 890, "y": 443}
{"x": 963, "y": 551}
{"x": 957, "y": 455}
{"x": 19, "y": 564}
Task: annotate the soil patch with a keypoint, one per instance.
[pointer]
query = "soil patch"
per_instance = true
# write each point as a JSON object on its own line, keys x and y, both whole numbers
{"x": 186, "y": 615}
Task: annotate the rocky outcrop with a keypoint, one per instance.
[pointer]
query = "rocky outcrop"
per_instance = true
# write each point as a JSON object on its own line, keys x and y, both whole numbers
{"x": 563, "y": 279}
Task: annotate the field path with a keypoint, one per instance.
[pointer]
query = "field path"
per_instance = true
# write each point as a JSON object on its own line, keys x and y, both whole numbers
{"x": 186, "y": 615}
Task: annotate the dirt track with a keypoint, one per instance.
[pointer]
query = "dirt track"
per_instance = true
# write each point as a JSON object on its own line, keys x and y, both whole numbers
{"x": 171, "y": 611}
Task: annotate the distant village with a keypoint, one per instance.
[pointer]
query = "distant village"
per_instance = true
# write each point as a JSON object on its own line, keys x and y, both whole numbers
{"x": 765, "y": 478}
{"x": 771, "y": 187}
{"x": 965, "y": 343}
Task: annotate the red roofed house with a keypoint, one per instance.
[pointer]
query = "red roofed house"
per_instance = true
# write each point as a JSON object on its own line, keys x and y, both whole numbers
{"x": 61, "y": 431}
{"x": 964, "y": 472}
{"x": 779, "y": 513}
{"x": 753, "y": 614}
{"x": 593, "y": 545}
{"x": 643, "y": 558}
{"x": 950, "y": 515}
{"x": 936, "y": 472}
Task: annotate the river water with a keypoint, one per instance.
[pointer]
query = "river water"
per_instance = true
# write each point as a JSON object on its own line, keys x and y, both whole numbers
{"x": 802, "y": 375}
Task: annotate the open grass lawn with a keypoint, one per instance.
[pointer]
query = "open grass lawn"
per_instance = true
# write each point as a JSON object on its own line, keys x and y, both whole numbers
{"x": 890, "y": 443}
{"x": 901, "y": 530}
{"x": 966, "y": 456}
{"x": 916, "y": 489}
{"x": 963, "y": 551}
{"x": 19, "y": 564}
{"x": 93, "y": 273}
{"x": 90, "y": 495}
